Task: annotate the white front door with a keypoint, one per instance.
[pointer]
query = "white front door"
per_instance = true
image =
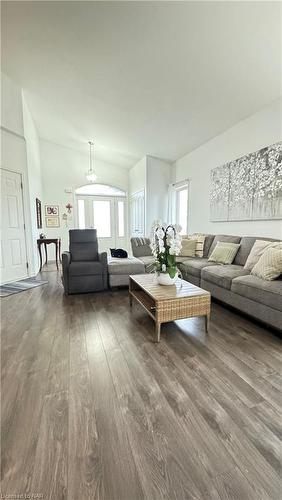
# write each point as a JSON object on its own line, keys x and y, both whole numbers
{"x": 13, "y": 261}
{"x": 107, "y": 214}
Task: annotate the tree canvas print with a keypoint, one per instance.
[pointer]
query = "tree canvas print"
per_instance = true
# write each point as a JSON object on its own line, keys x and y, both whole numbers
{"x": 249, "y": 188}
{"x": 220, "y": 193}
{"x": 240, "y": 194}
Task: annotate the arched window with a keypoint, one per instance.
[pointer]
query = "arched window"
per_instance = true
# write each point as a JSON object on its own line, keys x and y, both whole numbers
{"x": 99, "y": 190}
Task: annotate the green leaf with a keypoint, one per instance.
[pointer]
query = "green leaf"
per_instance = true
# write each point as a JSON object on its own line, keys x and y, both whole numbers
{"x": 172, "y": 271}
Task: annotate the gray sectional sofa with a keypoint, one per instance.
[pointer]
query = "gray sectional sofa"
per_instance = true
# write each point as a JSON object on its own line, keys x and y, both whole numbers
{"x": 231, "y": 284}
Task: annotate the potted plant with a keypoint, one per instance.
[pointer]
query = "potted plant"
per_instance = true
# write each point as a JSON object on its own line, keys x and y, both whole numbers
{"x": 166, "y": 245}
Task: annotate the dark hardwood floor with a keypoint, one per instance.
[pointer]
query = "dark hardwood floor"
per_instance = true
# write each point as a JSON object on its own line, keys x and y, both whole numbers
{"x": 93, "y": 409}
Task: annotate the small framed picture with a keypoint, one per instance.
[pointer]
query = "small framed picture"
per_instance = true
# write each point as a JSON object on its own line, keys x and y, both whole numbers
{"x": 52, "y": 221}
{"x": 38, "y": 214}
{"x": 51, "y": 210}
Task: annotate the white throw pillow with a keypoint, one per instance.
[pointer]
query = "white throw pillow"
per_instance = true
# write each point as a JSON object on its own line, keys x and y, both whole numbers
{"x": 200, "y": 239}
{"x": 269, "y": 266}
{"x": 257, "y": 251}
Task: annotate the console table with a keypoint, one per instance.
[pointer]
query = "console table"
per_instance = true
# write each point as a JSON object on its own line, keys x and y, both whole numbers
{"x": 45, "y": 242}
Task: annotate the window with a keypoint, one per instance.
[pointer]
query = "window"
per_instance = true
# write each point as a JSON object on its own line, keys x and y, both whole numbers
{"x": 121, "y": 219}
{"x": 102, "y": 218}
{"x": 182, "y": 207}
{"x": 81, "y": 214}
{"x": 99, "y": 190}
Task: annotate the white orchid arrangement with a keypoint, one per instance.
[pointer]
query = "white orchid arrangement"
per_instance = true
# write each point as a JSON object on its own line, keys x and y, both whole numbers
{"x": 165, "y": 246}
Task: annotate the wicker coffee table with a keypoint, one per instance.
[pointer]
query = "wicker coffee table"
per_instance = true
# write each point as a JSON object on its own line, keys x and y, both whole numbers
{"x": 169, "y": 303}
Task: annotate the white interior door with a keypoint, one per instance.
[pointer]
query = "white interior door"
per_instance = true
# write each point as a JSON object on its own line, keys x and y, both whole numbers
{"x": 13, "y": 261}
{"x": 107, "y": 214}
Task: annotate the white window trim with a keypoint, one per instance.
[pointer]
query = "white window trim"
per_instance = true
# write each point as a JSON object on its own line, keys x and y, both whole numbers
{"x": 179, "y": 186}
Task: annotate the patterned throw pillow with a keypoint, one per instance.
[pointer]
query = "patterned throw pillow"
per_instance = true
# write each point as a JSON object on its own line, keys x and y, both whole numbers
{"x": 269, "y": 266}
{"x": 188, "y": 248}
{"x": 200, "y": 239}
{"x": 224, "y": 253}
{"x": 259, "y": 247}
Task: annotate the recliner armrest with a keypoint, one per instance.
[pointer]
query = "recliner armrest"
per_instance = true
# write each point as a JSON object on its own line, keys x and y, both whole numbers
{"x": 66, "y": 259}
{"x": 103, "y": 258}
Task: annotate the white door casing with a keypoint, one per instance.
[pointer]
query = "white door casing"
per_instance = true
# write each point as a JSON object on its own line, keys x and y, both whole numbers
{"x": 104, "y": 213}
{"x": 137, "y": 213}
{"x": 13, "y": 257}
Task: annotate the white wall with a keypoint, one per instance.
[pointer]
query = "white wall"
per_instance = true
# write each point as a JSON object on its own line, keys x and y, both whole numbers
{"x": 137, "y": 176}
{"x": 14, "y": 157}
{"x": 259, "y": 130}
{"x": 34, "y": 177}
{"x": 11, "y": 106}
{"x": 153, "y": 175}
{"x": 64, "y": 168}
{"x": 158, "y": 179}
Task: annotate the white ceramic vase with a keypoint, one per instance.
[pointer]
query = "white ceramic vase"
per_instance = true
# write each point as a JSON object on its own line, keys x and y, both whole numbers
{"x": 165, "y": 279}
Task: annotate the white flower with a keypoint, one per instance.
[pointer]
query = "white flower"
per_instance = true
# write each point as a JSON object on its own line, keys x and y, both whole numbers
{"x": 157, "y": 223}
{"x": 178, "y": 245}
{"x": 160, "y": 233}
{"x": 177, "y": 228}
{"x": 153, "y": 247}
{"x": 162, "y": 249}
{"x": 163, "y": 268}
{"x": 171, "y": 231}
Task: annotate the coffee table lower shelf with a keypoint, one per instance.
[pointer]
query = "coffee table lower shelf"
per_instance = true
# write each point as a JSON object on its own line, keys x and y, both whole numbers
{"x": 164, "y": 308}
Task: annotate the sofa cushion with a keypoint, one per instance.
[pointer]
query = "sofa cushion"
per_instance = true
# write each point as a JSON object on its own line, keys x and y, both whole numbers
{"x": 141, "y": 247}
{"x": 207, "y": 244}
{"x": 223, "y": 275}
{"x": 180, "y": 259}
{"x": 83, "y": 244}
{"x": 128, "y": 266}
{"x": 195, "y": 265}
{"x": 224, "y": 238}
{"x": 85, "y": 268}
{"x": 268, "y": 293}
{"x": 246, "y": 245}
{"x": 148, "y": 261}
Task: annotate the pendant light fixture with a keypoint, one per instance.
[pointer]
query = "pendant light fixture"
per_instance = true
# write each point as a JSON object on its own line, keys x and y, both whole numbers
{"x": 90, "y": 175}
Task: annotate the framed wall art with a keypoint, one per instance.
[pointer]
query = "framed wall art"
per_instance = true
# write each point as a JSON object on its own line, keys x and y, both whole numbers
{"x": 52, "y": 221}
{"x": 51, "y": 210}
{"x": 38, "y": 214}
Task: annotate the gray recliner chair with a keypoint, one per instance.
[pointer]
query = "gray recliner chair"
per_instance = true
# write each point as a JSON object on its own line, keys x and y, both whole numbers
{"x": 84, "y": 269}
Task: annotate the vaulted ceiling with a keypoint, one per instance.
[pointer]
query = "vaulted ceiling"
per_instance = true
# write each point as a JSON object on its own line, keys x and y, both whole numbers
{"x": 156, "y": 78}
